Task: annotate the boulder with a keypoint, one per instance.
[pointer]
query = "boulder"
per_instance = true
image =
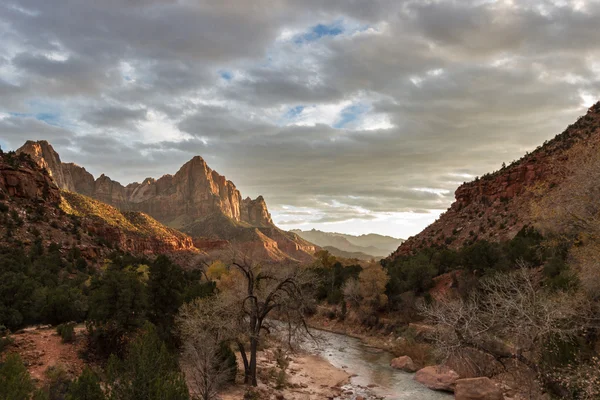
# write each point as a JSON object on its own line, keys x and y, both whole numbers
{"x": 437, "y": 377}
{"x": 404, "y": 363}
{"x": 477, "y": 389}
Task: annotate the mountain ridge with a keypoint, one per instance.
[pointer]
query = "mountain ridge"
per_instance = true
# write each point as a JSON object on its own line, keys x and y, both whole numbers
{"x": 372, "y": 244}
{"x": 498, "y": 205}
{"x": 40, "y": 210}
{"x": 182, "y": 201}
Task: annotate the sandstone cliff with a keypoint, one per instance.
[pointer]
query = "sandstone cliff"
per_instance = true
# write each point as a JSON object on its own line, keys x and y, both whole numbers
{"x": 196, "y": 200}
{"x": 39, "y": 210}
{"x": 496, "y": 206}
{"x": 195, "y": 191}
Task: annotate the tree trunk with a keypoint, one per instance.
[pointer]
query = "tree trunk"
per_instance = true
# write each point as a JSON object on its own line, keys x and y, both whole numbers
{"x": 245, "y": 360}
{"x": 253, "y": 350}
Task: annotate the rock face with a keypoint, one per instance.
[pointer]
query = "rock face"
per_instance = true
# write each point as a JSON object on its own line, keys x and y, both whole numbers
{"x": 45, "y": 156}
{"x": 193, "y": 197}
{"x": 31, "y": 193}
{"x": 496, "y": 206}
{"x": 404, "y": 363}
{"x": 437, "y": 377}
{"x": 194, "y": 192}
{"x": 24, "y": 180}
{"x": 477, "y": 389}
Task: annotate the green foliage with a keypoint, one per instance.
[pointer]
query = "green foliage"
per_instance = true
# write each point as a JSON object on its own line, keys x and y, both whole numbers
{"x": 35, "y": 287}
{"x": 331, "y": 277}
{"x": 416, "y": 272}
{"x": 5, "y": 339}
{"x": 118, "y": 306}
{"x": 57, "y": 385}
{"x": 166, "y": 287}
{"x": 148, "y": 371}
{"x": 15, "y": 382}
{"x": 559, "y": 276}
{"x": 66, "y": 332}
{"x": 86, "y": 387}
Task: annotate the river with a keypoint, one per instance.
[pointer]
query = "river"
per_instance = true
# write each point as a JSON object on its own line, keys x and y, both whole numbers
{"x": 370, "y": 367}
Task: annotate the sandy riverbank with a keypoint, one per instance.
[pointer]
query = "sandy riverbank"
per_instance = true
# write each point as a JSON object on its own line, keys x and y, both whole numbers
{"x": 310, "y": 377}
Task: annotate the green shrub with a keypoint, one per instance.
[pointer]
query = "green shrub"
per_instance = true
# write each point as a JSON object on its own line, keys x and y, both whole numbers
{"x": 15, "y": 382}
{"x": 86, "y": 387}
{"x": 149, "y": 371}
{"x": 66, "y": 332}
{"x": 58, "y": 383}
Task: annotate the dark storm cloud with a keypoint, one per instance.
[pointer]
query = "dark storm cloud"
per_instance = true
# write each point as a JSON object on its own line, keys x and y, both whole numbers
{"x": 119, "y": 117}
{"x": 333, "y": 110}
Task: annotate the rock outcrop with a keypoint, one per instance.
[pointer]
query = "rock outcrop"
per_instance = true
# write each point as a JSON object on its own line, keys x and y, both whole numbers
{"x": 21, "y": 178}
{"x": 437, "y": 377}
{"x": 477, "y": 389}
{"x": 404, "y": 363}
{"x": 190, "y": 201}
{"x": 195, "y": 191}
{"x": 39, "y": 210}
{"x": 496, "y": 206}
{"x": 44, "y": 155}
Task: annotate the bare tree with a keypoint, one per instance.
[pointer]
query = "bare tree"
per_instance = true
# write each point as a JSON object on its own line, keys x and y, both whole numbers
{"x": 250, "y": 293}
{"x": 509, "y": 318}
{"x": 203, "y": 326}
{"x": 263, "y": 291}
{"x": 204, "y": 369}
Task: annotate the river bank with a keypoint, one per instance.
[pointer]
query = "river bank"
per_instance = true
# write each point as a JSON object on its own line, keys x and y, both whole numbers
{"x": 309, "y": 377}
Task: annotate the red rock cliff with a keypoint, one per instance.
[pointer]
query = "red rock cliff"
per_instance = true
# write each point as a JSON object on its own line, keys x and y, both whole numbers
{"x": 496, "y": 206}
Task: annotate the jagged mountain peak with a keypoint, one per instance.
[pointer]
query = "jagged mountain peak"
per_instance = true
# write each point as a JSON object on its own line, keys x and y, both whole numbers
{"x": 182, "y": 201}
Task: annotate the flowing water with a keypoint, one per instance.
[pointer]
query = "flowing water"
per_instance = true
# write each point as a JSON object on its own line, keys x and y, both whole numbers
{"x": 373, "y": 375}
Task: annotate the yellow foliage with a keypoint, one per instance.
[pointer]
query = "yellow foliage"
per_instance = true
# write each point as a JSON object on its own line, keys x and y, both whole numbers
{"x": 372, "y": 282}
{"x": 216, "y": 270}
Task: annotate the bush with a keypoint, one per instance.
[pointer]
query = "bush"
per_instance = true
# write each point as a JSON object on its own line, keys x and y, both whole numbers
{"x": 66, "y": 332}
{"x": 58, "y": 383}
{"x": 15, "y": 382}
{"x": 148, "y": 371}
{"x": 227, "y": 357}
{"x": 86, "y": 387}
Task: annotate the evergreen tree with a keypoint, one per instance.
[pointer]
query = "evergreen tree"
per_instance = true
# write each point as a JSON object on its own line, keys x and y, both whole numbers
{"x": 148, "y": 371}
{"x": 15, "y": 382}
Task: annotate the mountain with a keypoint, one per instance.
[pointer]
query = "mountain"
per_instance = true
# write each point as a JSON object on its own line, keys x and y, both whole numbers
{"x": 371, "y": 245}
{"x": 350, "y": 255}
{"x": 196, "y": 200}
{"x": 33, "y": 208}
{"x": 497, "y": 206}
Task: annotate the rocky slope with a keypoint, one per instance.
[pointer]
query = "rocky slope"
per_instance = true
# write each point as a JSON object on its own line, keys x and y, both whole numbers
{"x": 196, "y": 200}
{"x": 32, "y": 207}
{"x": 371, "y": 245}
{"x": 496, "y": 206}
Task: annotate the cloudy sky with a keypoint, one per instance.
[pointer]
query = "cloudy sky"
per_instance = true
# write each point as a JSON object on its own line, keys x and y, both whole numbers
{"x": 347, "y": 115}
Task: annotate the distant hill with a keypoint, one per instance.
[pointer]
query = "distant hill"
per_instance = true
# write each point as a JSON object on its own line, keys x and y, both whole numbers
{"x": 370, "y": 246}
{"x": 350, "y": 255}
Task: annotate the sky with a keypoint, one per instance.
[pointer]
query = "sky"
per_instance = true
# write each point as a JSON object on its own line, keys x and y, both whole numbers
{"x": 354, "y": 116}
